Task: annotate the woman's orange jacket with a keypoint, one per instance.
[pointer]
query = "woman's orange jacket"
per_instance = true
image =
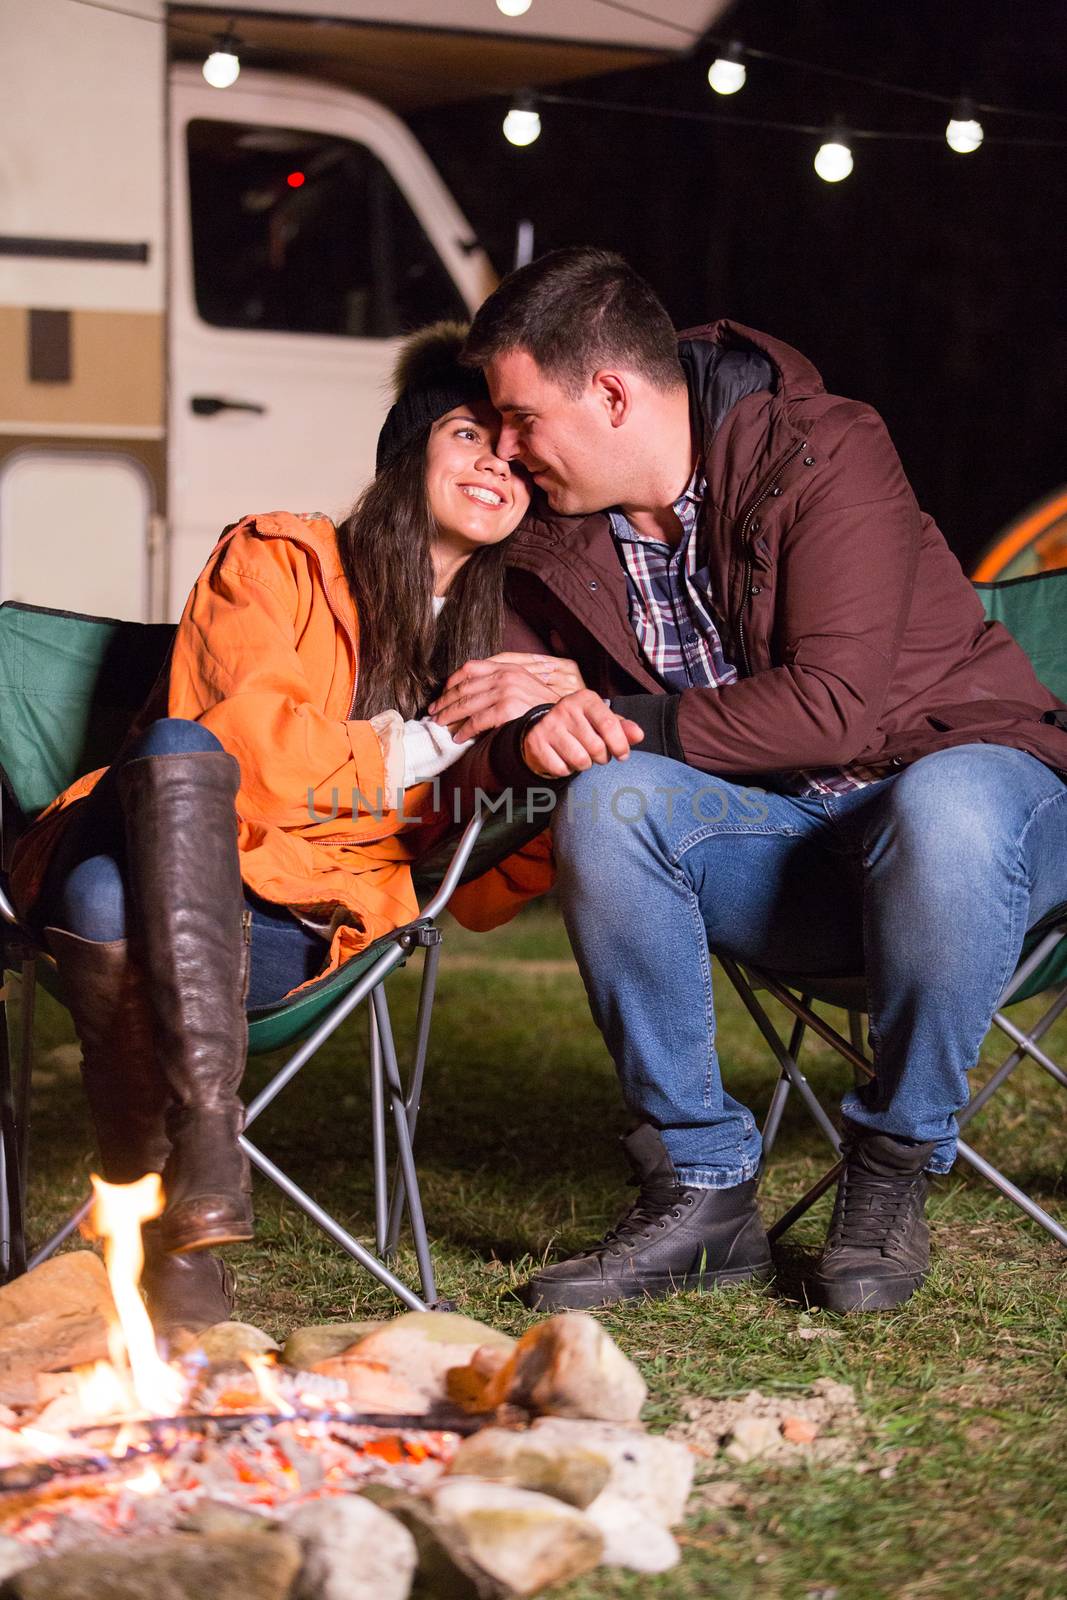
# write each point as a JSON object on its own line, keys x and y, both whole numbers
{"x": 266, "y": 656}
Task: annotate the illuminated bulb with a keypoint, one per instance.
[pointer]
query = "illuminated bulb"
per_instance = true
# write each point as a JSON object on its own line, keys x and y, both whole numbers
{"x": 833, "y": 161}
{"x": 514, "y": 8}
{"x": 522, "y": 125}
{"x": 222, "y": 68}
{"x": 964, "y": 133}
{"x": 727, "y": 72}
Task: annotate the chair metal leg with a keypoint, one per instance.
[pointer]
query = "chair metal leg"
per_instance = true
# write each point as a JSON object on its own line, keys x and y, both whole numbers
{"x": 61, "y": 1235}
{"x": 403, "y": 1140}
{"x": 22, "y": 1095}
{"x": 413, "y": 1099}
{"x": 338, "y": 1234}
{"x": 377, "y": 1117}
{"x": 780, "y": 1094}
{"x": 1019, "y": 1054}
{"x": 1013, "y": 1193}
{"x": 12, "y": 1225}
{"x": 805, "y": 1203}
{"x": 786, "y": 1061}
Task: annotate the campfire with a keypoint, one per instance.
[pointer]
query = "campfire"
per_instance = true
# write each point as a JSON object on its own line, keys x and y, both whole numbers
{"x": 136, "y": 1442}
{"x": 433, "y": 1423}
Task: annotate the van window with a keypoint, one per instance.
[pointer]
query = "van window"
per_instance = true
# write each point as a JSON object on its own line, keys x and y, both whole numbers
{"x": 306, "y": 233}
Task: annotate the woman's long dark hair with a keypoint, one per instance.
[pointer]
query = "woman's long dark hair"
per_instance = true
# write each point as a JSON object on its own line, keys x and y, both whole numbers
{"x": 405, "y": 653}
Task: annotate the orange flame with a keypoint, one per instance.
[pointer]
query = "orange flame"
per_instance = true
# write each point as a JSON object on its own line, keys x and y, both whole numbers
{"x": 261, "y": 1368}
{"x": 118, "y": 1212}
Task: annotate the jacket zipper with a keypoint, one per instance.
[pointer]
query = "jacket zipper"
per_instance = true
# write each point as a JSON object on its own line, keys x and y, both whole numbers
{"x": 762, "y": 493}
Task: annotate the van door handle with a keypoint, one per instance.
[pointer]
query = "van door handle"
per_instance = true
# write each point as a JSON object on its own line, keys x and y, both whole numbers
{"x": 209, "y": 405}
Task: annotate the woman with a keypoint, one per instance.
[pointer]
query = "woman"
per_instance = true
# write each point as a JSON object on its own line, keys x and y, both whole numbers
{"x": 291, "y": 703}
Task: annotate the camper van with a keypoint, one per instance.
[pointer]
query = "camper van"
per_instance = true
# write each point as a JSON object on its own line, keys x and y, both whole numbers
{"x": 202, "y": 289}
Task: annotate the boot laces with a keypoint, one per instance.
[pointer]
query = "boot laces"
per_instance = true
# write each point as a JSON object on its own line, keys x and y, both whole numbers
{"x": 870, "y": 1206}
{"x": 649, "y": 1213}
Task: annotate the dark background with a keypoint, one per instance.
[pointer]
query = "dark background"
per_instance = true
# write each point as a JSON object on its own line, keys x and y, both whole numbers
{"x": 930, "y": 284}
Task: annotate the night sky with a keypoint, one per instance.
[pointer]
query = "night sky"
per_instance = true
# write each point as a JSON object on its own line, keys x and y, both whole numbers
{"x": 930, "y": 284}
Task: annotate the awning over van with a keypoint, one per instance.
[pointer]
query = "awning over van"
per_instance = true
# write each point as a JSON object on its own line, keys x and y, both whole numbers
{"x": 413, "y": 53}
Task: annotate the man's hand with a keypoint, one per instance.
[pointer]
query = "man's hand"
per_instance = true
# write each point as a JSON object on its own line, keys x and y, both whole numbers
{"x": 579, "y": 730}
{"x": 486, "y": 694}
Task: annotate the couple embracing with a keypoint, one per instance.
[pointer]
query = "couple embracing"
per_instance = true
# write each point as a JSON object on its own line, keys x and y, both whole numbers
{"x": 674, "y": 581}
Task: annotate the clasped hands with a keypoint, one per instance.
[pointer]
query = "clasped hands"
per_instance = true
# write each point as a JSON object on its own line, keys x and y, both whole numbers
{"x": 579, "y": 730}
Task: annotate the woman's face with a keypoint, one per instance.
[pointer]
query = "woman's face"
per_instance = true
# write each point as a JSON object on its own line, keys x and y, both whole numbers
{"x": 475, "y": 497}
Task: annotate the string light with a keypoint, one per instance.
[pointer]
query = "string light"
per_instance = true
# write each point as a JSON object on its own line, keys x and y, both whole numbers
{"x": 222, "y": 67}
{"x": 514, "y": 8}
{"x": 833, "y": 160}
{"x": 522, "y": 125}
{"x": 727, "y": 72}
{"x": 964, "y": 133}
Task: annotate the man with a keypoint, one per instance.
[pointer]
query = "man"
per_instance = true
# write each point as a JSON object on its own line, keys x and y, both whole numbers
{"x": 842, "y": 767}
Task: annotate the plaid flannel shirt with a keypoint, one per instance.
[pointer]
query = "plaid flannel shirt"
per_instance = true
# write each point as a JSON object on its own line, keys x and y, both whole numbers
{"x": 673, "y": 615}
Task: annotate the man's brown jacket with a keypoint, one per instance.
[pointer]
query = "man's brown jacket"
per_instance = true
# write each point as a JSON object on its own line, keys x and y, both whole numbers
{"x": 857, "y": 638}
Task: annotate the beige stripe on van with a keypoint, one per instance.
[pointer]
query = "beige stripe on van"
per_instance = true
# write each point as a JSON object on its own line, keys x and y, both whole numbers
{"x": 117, "y": 372}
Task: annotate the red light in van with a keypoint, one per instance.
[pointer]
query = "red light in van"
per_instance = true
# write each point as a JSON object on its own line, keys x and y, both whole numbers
{"x": 295, "y": 179}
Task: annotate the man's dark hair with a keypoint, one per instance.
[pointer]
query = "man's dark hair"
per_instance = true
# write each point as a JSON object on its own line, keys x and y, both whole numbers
{"x": 575, "y": 311}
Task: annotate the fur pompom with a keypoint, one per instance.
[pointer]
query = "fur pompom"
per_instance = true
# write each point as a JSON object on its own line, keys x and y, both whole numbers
{"x": 428, "y": 355}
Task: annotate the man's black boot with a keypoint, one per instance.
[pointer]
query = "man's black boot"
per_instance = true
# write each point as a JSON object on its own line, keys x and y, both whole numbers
{"x": 877, "y": 1252}
{"x": 672, "y": 1238}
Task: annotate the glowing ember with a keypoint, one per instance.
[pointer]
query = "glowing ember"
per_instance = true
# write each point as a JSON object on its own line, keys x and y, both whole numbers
{"x": 118, "y": 1211}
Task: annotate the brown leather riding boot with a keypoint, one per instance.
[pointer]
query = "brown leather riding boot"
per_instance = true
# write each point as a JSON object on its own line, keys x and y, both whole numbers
{"x": 184, "y": 1293}
{"x": 192, "y": 941}
{"x": 127, "y": 1098}
{"x": 127, "y": 1093}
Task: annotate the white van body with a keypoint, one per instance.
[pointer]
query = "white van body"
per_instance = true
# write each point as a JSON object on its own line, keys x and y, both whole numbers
{"x": 161, "y": 242}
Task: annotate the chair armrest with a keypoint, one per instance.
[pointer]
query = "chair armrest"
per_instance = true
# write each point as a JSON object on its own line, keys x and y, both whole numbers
{"x": 454, "y": 872}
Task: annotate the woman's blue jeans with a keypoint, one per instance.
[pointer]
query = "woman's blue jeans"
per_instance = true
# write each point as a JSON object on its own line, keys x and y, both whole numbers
{"x": 85, "y": 890}
{"x": 925, "y": 881}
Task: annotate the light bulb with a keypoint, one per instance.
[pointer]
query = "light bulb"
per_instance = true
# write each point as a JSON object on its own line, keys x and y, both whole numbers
{"x": 522, "y": 125}
{"x": 727, "y": 72}
{"x": 514, "y": 8}
{"x": 833, "y": 160}
{"x": 964, "y": 133}
{"x": 221, "y": 69}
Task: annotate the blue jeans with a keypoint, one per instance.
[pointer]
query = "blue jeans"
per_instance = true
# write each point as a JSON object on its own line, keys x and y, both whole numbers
{"x": 85, "y": 889}
{"x": 926, "y": 881}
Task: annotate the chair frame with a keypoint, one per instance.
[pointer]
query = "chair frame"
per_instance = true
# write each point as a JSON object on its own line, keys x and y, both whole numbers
{"x": 797, "y": 996}
{"x": 388, "y": 1094}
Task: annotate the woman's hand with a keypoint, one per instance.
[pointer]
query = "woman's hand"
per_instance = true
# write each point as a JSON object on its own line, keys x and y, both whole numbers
{"x": 579, "y": 730}
{"x": 485, "y": 694}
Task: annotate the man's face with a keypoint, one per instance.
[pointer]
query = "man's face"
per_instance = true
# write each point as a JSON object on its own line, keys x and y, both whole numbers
{"x": 567, "y": 443}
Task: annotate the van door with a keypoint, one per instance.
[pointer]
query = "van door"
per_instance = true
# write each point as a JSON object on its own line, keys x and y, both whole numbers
{"x": 309, "y": 231}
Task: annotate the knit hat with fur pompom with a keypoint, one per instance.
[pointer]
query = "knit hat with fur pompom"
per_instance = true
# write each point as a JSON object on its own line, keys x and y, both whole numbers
{"x": 428, "y": 381}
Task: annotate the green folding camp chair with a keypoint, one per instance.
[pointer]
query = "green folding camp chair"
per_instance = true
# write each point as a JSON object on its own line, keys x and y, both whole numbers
{"x": 1034, "y": 610}
{"x": 69, "y": 688}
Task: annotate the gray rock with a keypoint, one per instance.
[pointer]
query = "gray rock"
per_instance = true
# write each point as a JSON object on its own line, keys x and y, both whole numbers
{"x": 229, "y": 1341}
{"x": 247, "y": 1566}
{"x": 306, "y": 1347}
{"x": 568, "y": 1366}
{"x": 53, "y": 1317}
{"x": 654, "y": 1474}
{"x": 632, "y": 1539}
{"x": 352, "y": 1550}
{"x": 524, "y": 1542}
{"x": 444, "y": 1571}
{"x": 568, "y": 1468}
{"x": 404, "y": 1365}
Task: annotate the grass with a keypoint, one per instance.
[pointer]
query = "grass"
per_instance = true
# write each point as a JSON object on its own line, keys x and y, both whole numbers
{"x": 961, "y": 1390}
